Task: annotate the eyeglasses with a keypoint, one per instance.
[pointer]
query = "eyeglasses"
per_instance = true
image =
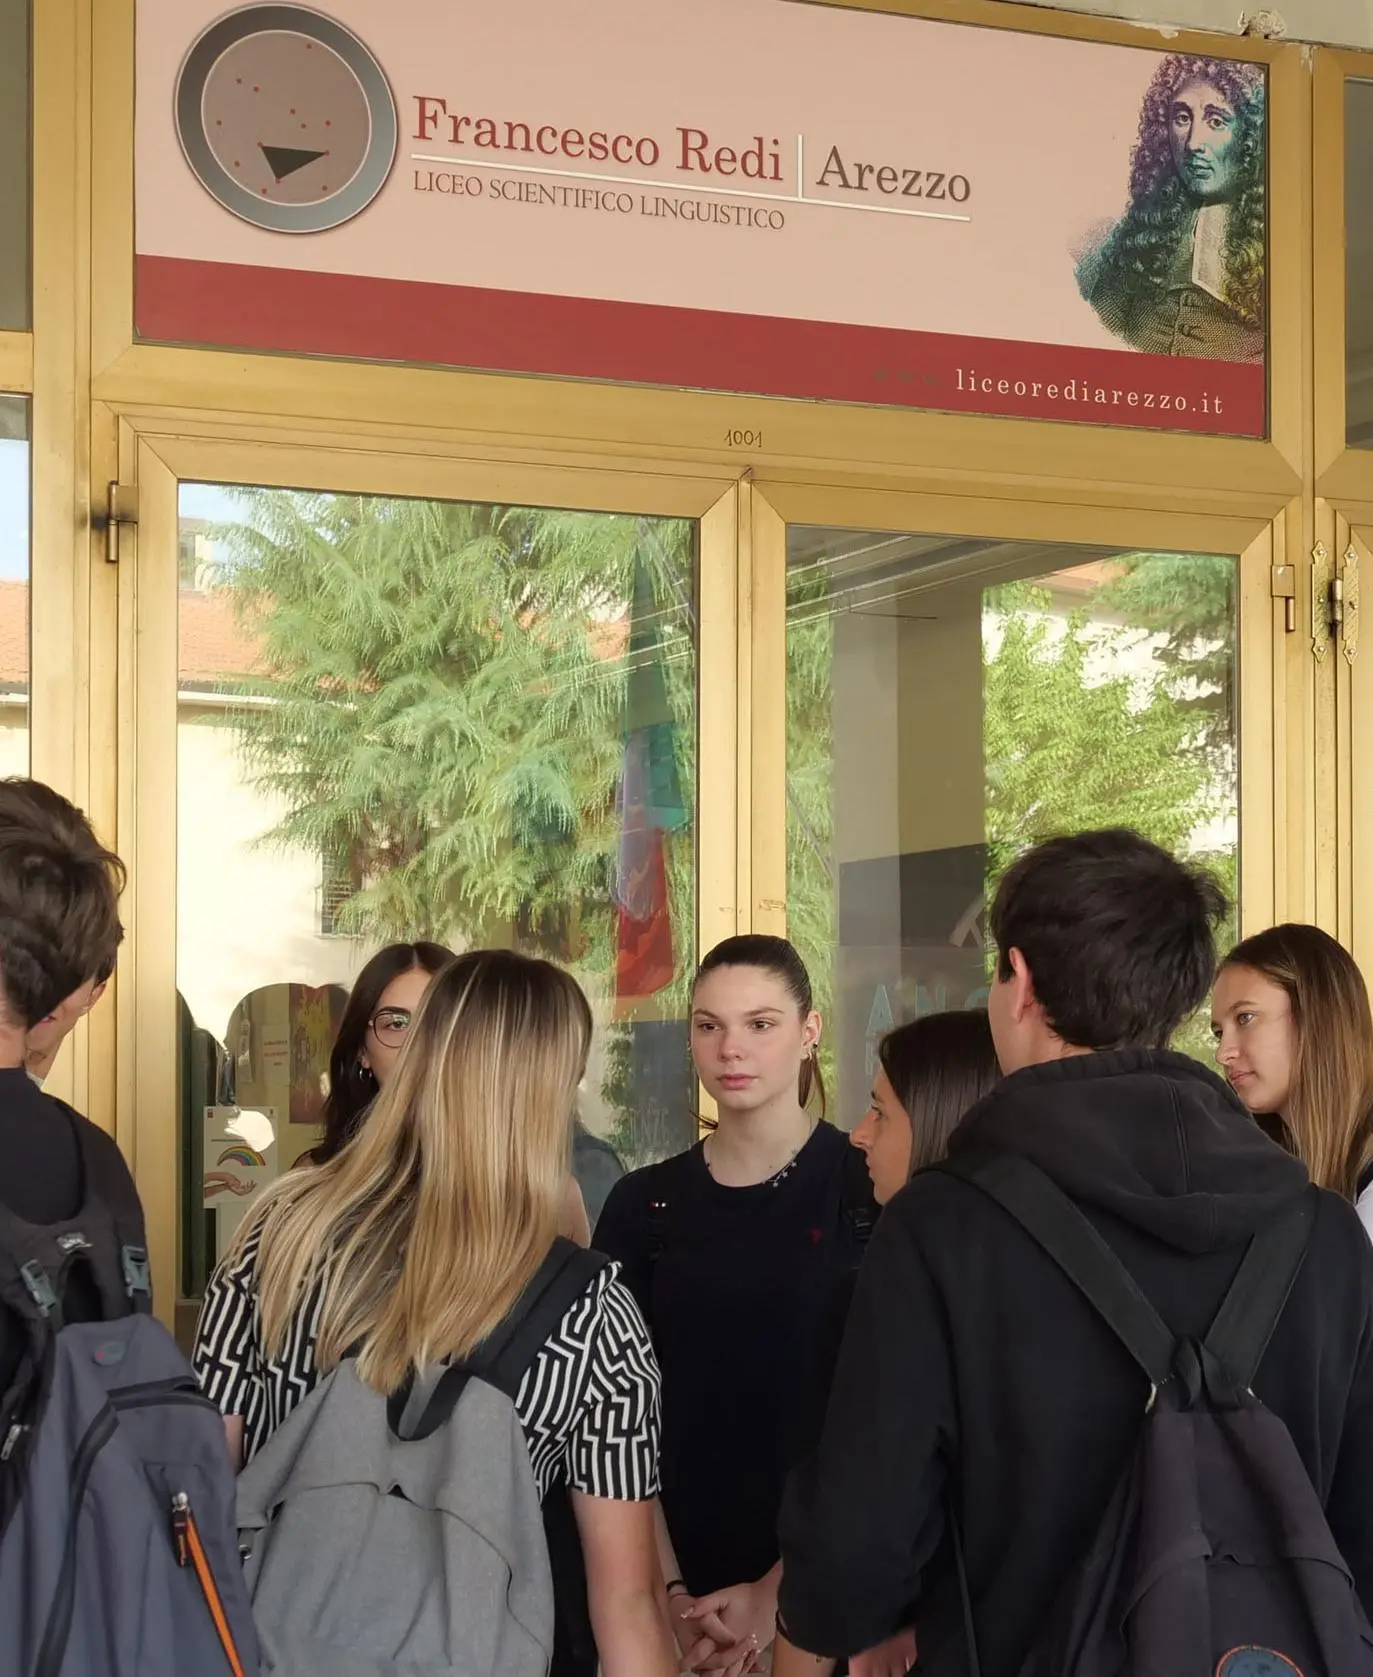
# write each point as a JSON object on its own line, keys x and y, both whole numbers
{"x": 389, "y": 1024}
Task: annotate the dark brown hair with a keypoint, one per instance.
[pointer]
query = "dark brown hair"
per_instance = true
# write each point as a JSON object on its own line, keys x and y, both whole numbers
{"x": 939, "y": 1067}
{"x": 778, "y": 957}
{"x": 353, "y": 1086}
{"x": 59, "y": 901}
{"x": 1117, "y": 935}
{"x": 1328, "y": 1114}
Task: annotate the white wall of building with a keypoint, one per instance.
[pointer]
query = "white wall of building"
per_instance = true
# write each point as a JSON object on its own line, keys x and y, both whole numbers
{"x": 247, "y": 912}
{"x": 14, "y": 741}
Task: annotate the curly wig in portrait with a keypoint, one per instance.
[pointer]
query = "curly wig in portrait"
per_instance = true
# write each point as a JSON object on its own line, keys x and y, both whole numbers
{"x": 1137, "y": 255}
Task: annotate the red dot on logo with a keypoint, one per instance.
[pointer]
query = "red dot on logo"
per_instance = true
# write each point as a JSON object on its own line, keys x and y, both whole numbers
{"x": 815, "y": 1237}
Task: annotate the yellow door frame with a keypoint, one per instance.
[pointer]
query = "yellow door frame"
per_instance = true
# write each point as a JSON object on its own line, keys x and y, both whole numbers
{"x": 156, "y": 457}
{"x": 106, "y": 407}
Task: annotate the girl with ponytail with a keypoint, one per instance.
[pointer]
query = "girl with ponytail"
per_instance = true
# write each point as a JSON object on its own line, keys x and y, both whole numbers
{"x": 733, "y": 1250}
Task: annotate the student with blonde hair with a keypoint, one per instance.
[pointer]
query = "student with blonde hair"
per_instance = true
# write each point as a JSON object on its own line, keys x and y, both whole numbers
{"x": 416, "y": 1246}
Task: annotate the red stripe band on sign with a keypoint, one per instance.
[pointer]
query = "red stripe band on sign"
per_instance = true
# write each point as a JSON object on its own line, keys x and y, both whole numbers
{"x": 232, "y": 306}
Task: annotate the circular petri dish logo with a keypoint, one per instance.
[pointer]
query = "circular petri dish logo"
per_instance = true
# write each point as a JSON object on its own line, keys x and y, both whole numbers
{"x": 286, "y": 118}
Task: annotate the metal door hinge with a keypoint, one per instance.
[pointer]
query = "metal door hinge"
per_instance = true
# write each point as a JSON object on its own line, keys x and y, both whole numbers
{"x": 121, "y": 508}
{"x": 1284, "y": 587}
{"x": 1347, "y": 586}
{"x": 1334, "y": 602}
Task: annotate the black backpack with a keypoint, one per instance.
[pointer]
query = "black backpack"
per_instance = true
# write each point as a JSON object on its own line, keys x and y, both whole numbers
{"x": 1213, "y": 1555}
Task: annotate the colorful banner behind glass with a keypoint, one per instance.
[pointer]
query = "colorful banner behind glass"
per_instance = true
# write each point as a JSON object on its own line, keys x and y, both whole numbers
{"x": 745, "y": 195}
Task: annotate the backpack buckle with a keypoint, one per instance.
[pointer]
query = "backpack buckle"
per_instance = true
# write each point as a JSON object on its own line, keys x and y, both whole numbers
{"x": 138, "y": 1280}
{"x": 40, "y": 1289}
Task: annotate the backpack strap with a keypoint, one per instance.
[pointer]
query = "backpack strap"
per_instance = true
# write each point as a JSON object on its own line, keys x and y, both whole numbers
{"x": 565, "y": 1275}
{"x": 1051, "y": 1219}
{"x": 1244, "y": 1324}
{"x": 856, "y": 1197}
{"x": 505, "y": 1356}
{"x": 123, "y": 1275}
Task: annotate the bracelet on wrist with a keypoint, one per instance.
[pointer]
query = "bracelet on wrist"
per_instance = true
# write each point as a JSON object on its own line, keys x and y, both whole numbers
{"x": 677, "y": 1586}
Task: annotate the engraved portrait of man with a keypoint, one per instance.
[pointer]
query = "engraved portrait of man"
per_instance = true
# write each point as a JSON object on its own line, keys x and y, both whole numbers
{"x": 1182, "y": 271}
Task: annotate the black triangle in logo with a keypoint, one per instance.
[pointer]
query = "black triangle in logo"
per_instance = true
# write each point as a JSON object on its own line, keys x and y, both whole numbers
{"x": 285, "y": 160}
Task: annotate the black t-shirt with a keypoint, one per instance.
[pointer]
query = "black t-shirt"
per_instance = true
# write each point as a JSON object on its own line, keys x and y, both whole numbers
{"x": 41, "y": 1180}
{"x": 735, "y": 1301}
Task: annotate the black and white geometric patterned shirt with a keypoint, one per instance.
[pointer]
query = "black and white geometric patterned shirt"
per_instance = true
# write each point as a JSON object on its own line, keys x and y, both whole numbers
{"x": 589, "y": 1403}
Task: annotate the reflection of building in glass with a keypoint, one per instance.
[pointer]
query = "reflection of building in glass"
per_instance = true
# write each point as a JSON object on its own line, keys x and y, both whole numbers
{"x": 1182, "y": 271}
{"x": 14, "y": 678}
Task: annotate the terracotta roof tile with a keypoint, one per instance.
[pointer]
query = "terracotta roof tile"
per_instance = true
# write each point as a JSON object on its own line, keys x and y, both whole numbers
{"x": 14, "y": 634}
{"x": 213, "y": 645}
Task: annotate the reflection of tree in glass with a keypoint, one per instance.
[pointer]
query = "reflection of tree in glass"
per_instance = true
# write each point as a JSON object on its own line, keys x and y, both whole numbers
{"x": 448, "y": 693}
{"x": 1094, "y": 723}
{"x": 1120, "y": 713}
{"x": 1076, "y": 738}
{"x": 1188, "y": 601}
{"x": 812, "y": 881}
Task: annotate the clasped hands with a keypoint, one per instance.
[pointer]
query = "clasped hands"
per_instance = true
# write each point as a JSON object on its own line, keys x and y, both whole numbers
{"x": 728, "y": 1631}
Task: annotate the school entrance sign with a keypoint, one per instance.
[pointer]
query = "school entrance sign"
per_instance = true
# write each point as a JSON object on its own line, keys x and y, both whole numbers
{"x": 845, "y": 206}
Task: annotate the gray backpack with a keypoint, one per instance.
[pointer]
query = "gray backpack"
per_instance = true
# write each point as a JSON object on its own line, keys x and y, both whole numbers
{"x": 118, "y": 1555}
{"x": 379, "y": 1547}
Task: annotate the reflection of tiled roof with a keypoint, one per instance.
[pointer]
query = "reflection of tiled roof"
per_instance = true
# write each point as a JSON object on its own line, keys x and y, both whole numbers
{"x": 14, "y": 634}
{"x": 609, "y": 638}
{"x": 213, "y": 644}
{"x": 1082, "y": 579}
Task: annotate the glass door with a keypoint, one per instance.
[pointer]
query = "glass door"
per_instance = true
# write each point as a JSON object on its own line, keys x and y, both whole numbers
{"x": 953, "y": 695}
{"x": 391, "y": 718}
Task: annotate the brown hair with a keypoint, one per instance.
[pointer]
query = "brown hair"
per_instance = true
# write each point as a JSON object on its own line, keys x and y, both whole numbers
{"x": 59, "y": 901}
{"x": 352, "y": 1086}
{"x": 778, "y": 957}
{"x": 1328, "y": 1115}
{"x": 939, "y": 1067}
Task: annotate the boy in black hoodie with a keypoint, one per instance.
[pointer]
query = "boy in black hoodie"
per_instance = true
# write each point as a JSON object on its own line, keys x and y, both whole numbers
{"x": 973, "y": 1370}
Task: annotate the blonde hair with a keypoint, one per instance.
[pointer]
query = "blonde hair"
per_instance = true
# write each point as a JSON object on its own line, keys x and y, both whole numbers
{"x": 426, "y": 1228}
{"x": 1328, "y": 1113}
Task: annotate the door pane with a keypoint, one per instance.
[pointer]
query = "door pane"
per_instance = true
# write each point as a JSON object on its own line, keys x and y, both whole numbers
{"x": 14, "y": 585}
{"x": 405, "y": 719}
{"x": 1358, "y": 262}
{"x": 14, "y": 165}
{"x": 950, "y": 702}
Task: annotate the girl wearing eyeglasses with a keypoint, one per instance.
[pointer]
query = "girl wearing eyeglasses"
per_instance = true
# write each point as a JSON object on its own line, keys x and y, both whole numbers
{"x": 376, "y": 1021}
{"x": 371, "y": 1035}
